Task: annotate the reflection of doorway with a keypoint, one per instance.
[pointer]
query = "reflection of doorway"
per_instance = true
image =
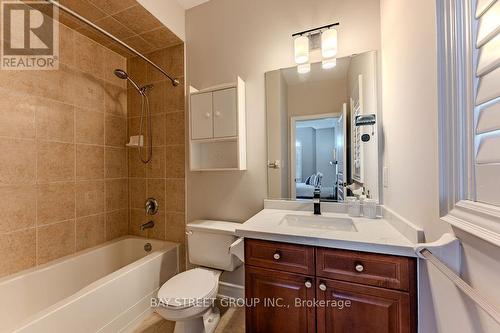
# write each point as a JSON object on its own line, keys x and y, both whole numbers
{"x": 313, "y": 156}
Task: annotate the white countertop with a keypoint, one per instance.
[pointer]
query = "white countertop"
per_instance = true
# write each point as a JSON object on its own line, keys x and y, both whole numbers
{"x": 373, "y": 235}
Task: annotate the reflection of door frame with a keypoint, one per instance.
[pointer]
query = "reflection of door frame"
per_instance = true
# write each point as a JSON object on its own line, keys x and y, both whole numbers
{"x": 293, "y": 123}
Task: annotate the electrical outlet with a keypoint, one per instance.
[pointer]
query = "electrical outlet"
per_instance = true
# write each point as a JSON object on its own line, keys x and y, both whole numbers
{"x": 385, "y": 176}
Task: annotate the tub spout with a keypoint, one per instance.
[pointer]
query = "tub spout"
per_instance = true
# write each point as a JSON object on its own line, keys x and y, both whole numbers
{"x": 148, "y": 225}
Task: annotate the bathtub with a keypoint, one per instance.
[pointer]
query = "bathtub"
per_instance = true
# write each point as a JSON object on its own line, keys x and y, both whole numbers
{"x": 103, "y": 289}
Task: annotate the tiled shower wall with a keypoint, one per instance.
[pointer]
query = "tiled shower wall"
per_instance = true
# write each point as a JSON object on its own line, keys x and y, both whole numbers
{"x": 63, "y": 165}
{"x": 164, "y": 177}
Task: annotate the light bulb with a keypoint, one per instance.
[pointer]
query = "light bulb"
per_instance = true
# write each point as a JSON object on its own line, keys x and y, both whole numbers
{"x": 301, "y": 49}
{"x": 329, "y": 42}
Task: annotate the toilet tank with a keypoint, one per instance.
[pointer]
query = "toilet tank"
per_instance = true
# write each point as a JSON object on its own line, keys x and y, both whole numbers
{"x": 209, "y": 242}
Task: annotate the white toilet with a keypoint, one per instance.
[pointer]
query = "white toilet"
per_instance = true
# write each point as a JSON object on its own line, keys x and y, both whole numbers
{"x": 187, "y": 297}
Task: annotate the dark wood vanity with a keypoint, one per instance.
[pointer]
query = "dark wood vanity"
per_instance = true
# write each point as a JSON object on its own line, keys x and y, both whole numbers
{"x": 303, "y": 289}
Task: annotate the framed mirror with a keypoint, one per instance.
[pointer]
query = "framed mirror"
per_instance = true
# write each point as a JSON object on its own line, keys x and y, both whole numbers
{"x": 323, "y": 130}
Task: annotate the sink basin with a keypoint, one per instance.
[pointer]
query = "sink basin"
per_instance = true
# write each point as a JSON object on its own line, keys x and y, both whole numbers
{"x": 318, "y": 222}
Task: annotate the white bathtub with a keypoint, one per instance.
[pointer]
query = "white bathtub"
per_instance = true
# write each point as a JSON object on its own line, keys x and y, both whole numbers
{"x": 102, "y": 289}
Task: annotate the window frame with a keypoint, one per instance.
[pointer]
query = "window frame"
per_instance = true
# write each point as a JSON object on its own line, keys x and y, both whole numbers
{"x": 457, "y": 56}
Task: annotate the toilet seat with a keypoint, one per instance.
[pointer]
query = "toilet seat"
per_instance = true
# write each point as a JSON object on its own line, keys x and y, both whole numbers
{"x": 189, "y": 289}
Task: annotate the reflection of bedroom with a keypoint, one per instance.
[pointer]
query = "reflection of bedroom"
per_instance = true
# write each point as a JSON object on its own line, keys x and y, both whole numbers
{"x": 315, "y": 160}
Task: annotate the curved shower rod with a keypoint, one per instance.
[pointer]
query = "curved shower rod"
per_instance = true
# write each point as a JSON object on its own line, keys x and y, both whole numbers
{"x": 175, "y": 81}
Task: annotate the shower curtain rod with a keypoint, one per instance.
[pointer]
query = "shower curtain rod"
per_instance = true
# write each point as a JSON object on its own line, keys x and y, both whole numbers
{"x": 175, "y": 81}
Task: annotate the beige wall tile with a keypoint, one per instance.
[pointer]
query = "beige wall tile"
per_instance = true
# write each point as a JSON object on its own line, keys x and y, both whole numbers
{"x": 175, "y": 191}
{"x": 114, "y": 61}
{"x": 90, "y": 231}
{"x": 137, "y": 19}
{"x": 55, "y": 161}
{"x": 111, "y": 7}
{"x": 46, "y": 84}
{"x": 137, "y": 218}
{"x": 21, "y": 243}
{"x": 89, "y": 198}
{"x": 158, "y": 231}
{"x": 175, "y": 227}
{"x": 158, "y": 125}
{"x": 55, "y": 241}
{"x": 116, "y": 194}
{"x": 89, "y": 127}
{"x": 175, "y": 161}
{"x": 17, "y": 207}
{"x": 136, "y": 168}
{"x": 17, "y": 115}
{"x": 156, "y": 189}
{"x": 66, "y": 45}
{"x": 170, "y": 59}
{"x": 137, "y": 192}
{"x": 116, "y": 224}
{"x": 115, "y": 162}
{"x": 89, "y": 162}
{"x": 55, "y": 121}
{"x": 115, "y": 99}
{"x": 116, "y": 131}
{"x": 89, "y": 57}
{"x": 137, "y": 68}
{"x": 175, "y": 128}
{"x": 55, "y": 202}
{"x": 82, "y": 89}
{"x": 85, "y": 8}
{"x": 18, "y": 164}
{"x": 156, "y": 167}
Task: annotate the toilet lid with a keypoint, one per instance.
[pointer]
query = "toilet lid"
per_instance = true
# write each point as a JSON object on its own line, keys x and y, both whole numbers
{"x": 186, "y": 288}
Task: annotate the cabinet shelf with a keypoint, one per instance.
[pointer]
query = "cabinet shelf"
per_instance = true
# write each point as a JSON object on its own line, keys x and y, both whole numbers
{"x": 217, "y": 128}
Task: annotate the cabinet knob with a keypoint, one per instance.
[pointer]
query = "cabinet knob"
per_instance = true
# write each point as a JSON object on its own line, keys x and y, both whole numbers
{"x": 322, "y": 286}
{"x": 276, "y": 255}
{"x": 207, "y": 114}
{"x": 359, "y": 268}
{"x": 308, "y": 284}
{"x": 217, "y": 113}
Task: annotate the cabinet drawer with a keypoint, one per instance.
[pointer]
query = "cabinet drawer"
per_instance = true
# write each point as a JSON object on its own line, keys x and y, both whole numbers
{"x": 379, "y": 270}
{"x": 279, "y": 256}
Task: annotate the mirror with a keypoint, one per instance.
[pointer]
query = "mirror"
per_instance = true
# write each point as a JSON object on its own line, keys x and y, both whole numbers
{"x": 322, "y": 130}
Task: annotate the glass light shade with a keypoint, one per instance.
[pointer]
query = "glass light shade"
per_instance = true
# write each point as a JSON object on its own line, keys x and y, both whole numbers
{"x": 329, "y": 63}
{"x": 301, "y": 49}
{"x": 304, "y": 68}
{"x": 329, "y": 43}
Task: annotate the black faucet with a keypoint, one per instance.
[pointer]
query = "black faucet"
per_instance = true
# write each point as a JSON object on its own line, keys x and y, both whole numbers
{"x": 317, "y": 201}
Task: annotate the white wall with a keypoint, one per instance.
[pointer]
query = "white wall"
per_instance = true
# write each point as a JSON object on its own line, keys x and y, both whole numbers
{"x": 170, "y": 13}
{"x": 410, "y": 111}
{"x": 317, "y": 97}
{"x": 225, "y": 38}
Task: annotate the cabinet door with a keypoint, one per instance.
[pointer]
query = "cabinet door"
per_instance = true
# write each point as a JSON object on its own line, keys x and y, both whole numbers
{"x": 372, "y": 309}
{"x": 201, "y": 116}
{"x": 268, "y": 286}
{"x": 225, "y": 113}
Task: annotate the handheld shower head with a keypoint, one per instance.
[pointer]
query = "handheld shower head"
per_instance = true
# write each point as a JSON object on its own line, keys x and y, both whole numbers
{"x": 120, "y": 73}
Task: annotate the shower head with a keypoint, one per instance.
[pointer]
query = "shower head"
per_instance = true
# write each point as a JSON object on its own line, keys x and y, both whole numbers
{"x": 120, "y": 73}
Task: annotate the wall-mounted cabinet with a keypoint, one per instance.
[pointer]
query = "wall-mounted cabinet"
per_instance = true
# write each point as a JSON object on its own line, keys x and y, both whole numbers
{"x": 217, "y": 128}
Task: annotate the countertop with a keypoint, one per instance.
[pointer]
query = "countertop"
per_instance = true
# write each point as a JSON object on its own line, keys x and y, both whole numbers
{"x": 372, "y": 235}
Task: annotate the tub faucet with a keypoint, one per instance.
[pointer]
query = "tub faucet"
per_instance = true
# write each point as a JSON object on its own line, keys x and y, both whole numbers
{"x": 317, "y": 201}
{"x": 148, "y": 225}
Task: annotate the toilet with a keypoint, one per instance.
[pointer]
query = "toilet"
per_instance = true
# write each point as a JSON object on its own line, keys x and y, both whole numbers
{"x": 187, "y": 298}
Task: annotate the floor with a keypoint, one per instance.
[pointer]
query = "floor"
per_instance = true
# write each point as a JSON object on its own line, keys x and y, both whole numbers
{"x": 232, "y": 321}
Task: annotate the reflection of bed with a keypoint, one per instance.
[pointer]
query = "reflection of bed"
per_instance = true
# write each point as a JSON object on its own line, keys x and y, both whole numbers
{"x": 304, "y": 191}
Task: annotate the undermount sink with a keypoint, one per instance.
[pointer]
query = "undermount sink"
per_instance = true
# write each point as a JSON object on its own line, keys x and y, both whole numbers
{"x": 319, "y": 222}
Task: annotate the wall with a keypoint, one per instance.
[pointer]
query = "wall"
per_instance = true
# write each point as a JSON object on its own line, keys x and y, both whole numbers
{"x": 410, "y": 106}
{"x": 277, "y": 143}
{"x": 225, "y": 38}
{"x": 317, "y": 97}
{"x": 325, "y": 139}
{"x": 63, "y": 175}
{"x": 164, "y": 177}
{"x": 170, "y": 13}
{"x": 307, "y": 138}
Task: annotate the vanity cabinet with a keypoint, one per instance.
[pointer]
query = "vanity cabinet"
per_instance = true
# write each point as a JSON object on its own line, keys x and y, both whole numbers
{"x": 327, "y": 290}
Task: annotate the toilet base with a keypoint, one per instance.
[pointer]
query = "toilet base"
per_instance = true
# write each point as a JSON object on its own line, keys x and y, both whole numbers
{"x": 203, "y": 324}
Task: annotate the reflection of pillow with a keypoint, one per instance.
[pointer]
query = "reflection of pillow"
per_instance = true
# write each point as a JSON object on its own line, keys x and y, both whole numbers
{"x": 308, "y": 180}
{"x": 319, "y": 178}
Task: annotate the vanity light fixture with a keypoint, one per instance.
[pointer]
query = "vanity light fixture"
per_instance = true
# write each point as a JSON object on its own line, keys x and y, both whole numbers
{"x": 329, "y": 43}
{"x": 301, "y": 48}
{"x": 329, "y": 63}
{"x": 324, "y": 38}
{"x": 304, "y": 68}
